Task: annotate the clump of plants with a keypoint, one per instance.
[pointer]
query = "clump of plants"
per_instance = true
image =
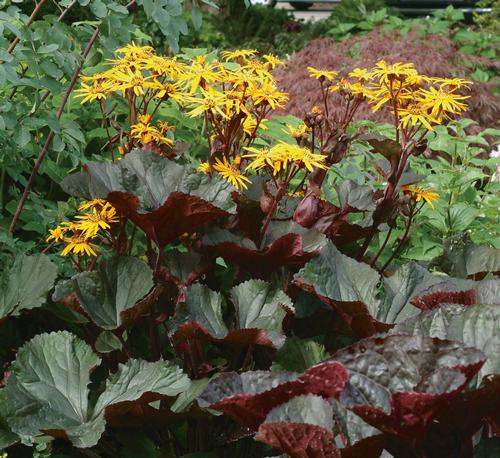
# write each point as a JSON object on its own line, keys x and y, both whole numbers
{"x": 238, "y": 307}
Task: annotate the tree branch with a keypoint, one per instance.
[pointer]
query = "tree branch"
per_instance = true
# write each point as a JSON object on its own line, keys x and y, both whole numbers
{"x": 50, "y": 137}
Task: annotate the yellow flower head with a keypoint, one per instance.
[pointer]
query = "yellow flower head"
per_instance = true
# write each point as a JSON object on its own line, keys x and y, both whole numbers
{"x": 137, "y": 52}
{"x": 385, "y": 72}
{"x": 231, "y": 173}
{"x": 442, "y": 102}
{"x": 204, "y": 167}
{"x": 297, "y": 132}
{"x": 428, "y": 195}
{"x": 97, "y": 90}
{"x": 361, "y": 74}
{"x": 78, "y": 244}
{"x": 91, "y": 223}
{"x": 57, "y": 234}
{"x": 272, "y": 61}
{"x": 415, "y": 113}
{"x": 91, "y": 204}
{"x": 318, "y": 74}
{"x": 238, "y": 54}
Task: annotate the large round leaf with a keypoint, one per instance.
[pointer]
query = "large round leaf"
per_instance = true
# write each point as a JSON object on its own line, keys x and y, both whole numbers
{"x": 475, "y": 326}
{"x": 301, "y": 427}
{"x": 398, "y": 383}
{"x": 48, "y": 391}
{"x": 115, "y": 287}
{"x": 250, "y": 396}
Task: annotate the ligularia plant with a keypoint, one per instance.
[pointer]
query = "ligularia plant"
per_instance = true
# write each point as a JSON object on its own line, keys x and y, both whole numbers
{"x": 240, "y": 306}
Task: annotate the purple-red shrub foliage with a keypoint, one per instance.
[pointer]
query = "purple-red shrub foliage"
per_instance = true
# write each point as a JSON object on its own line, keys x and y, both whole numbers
{"x": 432, "y": 55}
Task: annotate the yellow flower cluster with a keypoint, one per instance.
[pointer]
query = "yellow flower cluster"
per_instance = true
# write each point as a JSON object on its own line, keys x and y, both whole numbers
{"x": 146, "y": 133}
{"x": 415, "y": 100}
{"x": 233, "y": 94}
{"x": 282, "y": 156}
{"x": 77, "y": 236}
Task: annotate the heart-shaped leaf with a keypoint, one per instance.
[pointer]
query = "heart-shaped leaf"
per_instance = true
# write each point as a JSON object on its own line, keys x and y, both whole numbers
{"x": 399, "y": 383}
{"x": 302, "y": 427}
{"x": 163, "y": 198}
{"x": 285, "y": 244}
{"x": 250, "y": 396}
{"x": 26, "y": 284}
{"x": 355, "y": 196}
{"x": 345, "y": 284}
{"x": 47, "y": 391}
{"x": 116, "y": 286}
{"x": 476, "y": 326}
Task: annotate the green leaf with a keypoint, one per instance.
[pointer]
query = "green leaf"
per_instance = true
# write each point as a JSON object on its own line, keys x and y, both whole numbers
{"x": 107, "y": 342}
{"x": 349, "y": 286}
{"x": 48, "y": 392}
{"x": 138, "y": 377}
{"x": 298, "y": 355}
{"x": 26, "y": 284}
{"x": 196, "y": 16}
{"x": 203, "y": 306}
{"x": 408, "y": 281}
{"x": 48, "y": 389}
{"x": 116, "y": 286}
{"x": 260, "y": 306}
{"x": 151, "y": 178}
{"x": 474, "y": 325}
{"x": 355, "y": 196}
{"x": 464, "y": 258}
{"x": 185, "y": 399}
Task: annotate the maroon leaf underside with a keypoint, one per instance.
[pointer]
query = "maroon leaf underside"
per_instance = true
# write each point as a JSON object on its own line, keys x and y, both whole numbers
{"x": 465, "y": 415}
{"x": 192, "y": 330}
{"x": 284, "y": 251}
{"x": 412, "y": 412}
{"x": 179, "y": 214}
{"x": 250, "y": 218}
{"x": 370, "y": 447}
{"x": 354, "y": 313}
{"x": 326, "y": 380}
{"x": 298, "y": 440}
{"x": 434, "y": 300}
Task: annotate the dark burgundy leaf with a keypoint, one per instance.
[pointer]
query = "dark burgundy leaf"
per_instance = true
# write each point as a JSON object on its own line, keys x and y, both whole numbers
{"x": 399, "y": 383}
{"x": 250, "y": 396}
{"x": 163, "y": 198}
{"x": 302, "y": 427}
{"x": 299, "y": 440}
{"x": 458, "y": 291}
{"x": 286, "y": 244}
